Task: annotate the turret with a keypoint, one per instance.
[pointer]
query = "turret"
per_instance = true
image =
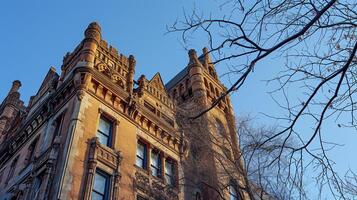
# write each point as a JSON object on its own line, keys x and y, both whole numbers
{"x": 196, "y": 76}
{"x": 9, "y": 108}
{"x": 15, "y": 86}
{"x": 91, "y": 42}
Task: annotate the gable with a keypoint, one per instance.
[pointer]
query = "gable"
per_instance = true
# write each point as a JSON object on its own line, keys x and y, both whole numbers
{"x": 157, "y": 83}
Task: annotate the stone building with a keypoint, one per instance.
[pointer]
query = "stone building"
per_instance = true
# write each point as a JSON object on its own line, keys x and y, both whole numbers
{"x": 93, "y": 132}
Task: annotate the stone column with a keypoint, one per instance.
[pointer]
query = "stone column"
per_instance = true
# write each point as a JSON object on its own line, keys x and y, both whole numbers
{"x": 92, "y": 165}
{"x": 117, "y": 177}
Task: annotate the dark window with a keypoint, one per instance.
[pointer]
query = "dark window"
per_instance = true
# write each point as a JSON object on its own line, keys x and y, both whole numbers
{"x": 31, "y": 152}
{"x": 190, "y": 92}
{"x": 198, "y": 196}
{"x": 141, "y": 158}
{"x": 155, "y": 163}
{"x": 169, "y": 172}
{"x": 105, "y": 131}
{"x": 58, "y": 125}
{"x": 101, "y": 186}
{"x": 12, "y": 170}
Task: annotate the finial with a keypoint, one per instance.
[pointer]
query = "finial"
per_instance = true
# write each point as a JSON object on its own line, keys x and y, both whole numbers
{"x": 15, "y": 86}
{"x": 93, "y": 31}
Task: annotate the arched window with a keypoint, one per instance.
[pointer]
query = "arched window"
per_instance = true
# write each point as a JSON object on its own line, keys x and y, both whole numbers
{"x": 217, "y": 93}
{"x": 174, "y": 94}
{"x": 211, "y": 88}
{"x": 210, "y": 71}
{"x": 187, "y": 83}
{"x": 198, "y": 196}
{"x": 205, "y": 81}
{"x": 180, "y": 89}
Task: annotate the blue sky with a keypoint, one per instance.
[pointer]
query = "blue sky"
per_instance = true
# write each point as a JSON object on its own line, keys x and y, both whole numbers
{"x": 35, "y": 35}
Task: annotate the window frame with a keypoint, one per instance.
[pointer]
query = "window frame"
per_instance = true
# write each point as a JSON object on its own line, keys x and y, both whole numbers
{"x": 109, "y": 136}
{"x": 108, "y": 179}
{"x": 145, "y": 156}
{"x": 159, "y": 167}
{"x": 172, "y": 177}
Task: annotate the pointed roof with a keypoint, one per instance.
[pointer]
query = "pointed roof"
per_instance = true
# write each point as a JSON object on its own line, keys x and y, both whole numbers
{"x": 156, "y": 81}
{"x": 47, "y": 80}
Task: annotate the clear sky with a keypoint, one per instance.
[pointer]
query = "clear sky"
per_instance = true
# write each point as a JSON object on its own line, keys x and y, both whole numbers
{"x": 35, "y": 35}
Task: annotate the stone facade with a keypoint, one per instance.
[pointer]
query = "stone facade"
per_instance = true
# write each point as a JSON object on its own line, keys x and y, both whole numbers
{"x": 50, "y": 149}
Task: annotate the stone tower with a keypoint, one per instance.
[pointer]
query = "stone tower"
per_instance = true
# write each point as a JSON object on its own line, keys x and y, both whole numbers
{"x": 211, "y": 169}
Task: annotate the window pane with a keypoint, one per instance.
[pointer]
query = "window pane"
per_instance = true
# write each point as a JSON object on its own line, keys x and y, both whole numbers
{"x": 100, "y": 183}
{"x": 103, "y": 139}
{"x": 169, "y": 179}
{"x": 155, "y": 172}
{"x": 155, "y": 159}
{"x": 96, "y": 196}
{"x": 168, "y": 168}
{"x": 104, "y": 126}
{"x": 139, "y": 162}
{"x": 140, "y": 150}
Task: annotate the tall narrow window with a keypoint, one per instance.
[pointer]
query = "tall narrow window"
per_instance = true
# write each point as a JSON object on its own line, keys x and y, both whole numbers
{"x": 155, "y": 163}
{"x": 104, "y": 132}
{"x": 169, "y": 172}
{"x": 141, "y": 159}
{"x": 101, "y": 186}
{"x": 31, "y": 152}
{"x": 12, "y": 170}
{"x": 233, "y": 194}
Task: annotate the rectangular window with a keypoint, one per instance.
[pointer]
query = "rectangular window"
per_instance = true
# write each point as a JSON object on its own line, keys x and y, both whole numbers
{"x": 101, "y": 186}
{"x": 155, "y": 163}
{"x": 141, "y": 159}
{"x": 104, "y": 132}
{"x": 169, "y": 172}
